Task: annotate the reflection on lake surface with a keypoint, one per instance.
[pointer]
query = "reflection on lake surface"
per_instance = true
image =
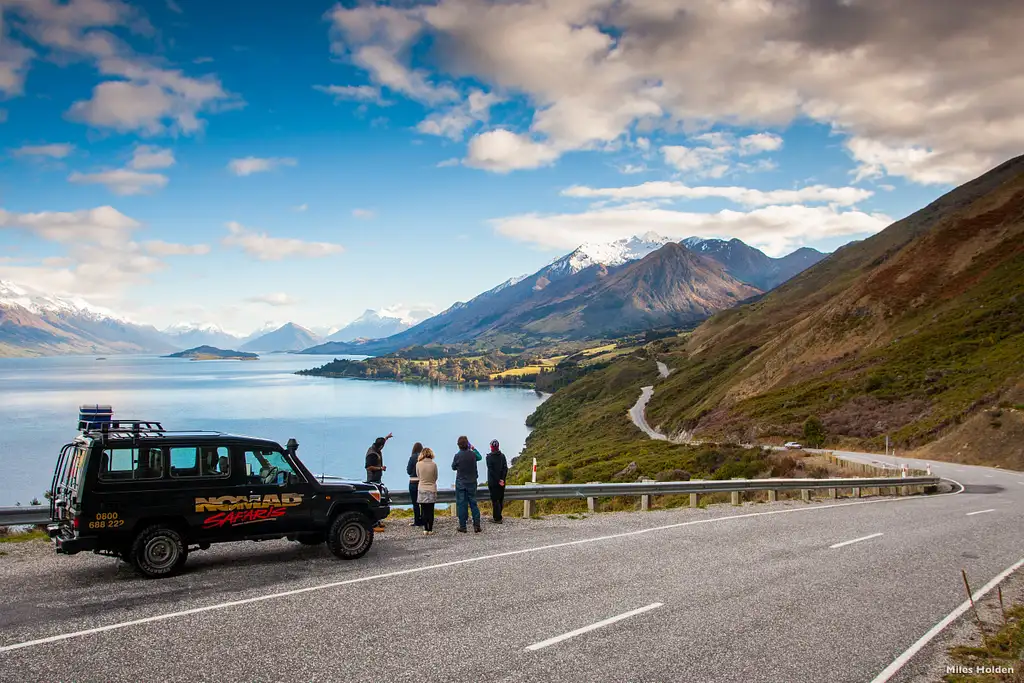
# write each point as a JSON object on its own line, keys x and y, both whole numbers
{"x": 334, "y": 420}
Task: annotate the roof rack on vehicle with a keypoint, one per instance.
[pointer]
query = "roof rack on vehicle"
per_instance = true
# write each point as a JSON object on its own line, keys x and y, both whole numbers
{"x": 122, "y": 427}
{"x": 100, "y": 418}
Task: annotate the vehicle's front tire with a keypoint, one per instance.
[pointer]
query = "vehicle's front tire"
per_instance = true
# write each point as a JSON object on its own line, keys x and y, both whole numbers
{"x": 159, "y": 551}
{"x": 350, "y": 535}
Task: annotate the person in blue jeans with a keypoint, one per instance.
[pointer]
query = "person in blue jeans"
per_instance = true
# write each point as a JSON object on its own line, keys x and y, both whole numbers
{"x": 466, "y": 478}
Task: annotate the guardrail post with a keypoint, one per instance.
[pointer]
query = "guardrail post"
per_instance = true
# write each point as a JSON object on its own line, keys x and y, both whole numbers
{"x": 592, "y": 504}
{"x": 805, "y": 495}
{"x": 528, "y": 509}
{"x": 833, "y": 493}
{"x": 735, "y": 497}
{"x": 693, "y": 500}
{"x": 645, "y": 502}
{"x": 856, "y": 492}
{"x": 773, "y": 496}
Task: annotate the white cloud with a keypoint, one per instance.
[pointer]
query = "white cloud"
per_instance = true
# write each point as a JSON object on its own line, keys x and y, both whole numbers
{"x": 364, "y": 214}
{"x": 759, "y": 142}
{"x": 631, "y": 169}
{"x": 775, "y": 229}
{"x": 926, "y": 89}
{"x": 377, "y": 39}
{"x": 173, "y": 6}
{"x": 101, "y": 261}
{"x": 103, "y": 225}
{"x": 140, "y": 95}
{"x": 708, "y": 161}
{"x": 453, "y": 122}
{"x": 161, "y": 248}
{"x": 840, "y": 196}
{"x": 122, "y": 181}
{"x": 146, "y": 157}
{"x": 263, "y": 247}
{"x": 273, "y": 299}
{"x": 250, "y": 165}
{"x": 717, "y": 154}
{"x": 359, "y": 93}
{"x": 502, "y": 151}
{"x": 301, "y": 207}
{"x": 447, "y": 163}
{"x": 53, "y": 151}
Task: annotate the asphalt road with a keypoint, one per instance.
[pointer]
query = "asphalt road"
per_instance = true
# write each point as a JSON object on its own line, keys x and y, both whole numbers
{"x": 755, "y": 593}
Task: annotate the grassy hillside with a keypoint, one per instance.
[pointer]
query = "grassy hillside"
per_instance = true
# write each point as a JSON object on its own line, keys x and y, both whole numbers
{"x": 907, "y": 334}
{"x": 583, "y": 433}
{"x": 914, "y": 333}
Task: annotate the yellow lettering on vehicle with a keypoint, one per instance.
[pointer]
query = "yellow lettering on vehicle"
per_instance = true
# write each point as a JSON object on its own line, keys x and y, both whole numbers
{"x": 253, "y": 502}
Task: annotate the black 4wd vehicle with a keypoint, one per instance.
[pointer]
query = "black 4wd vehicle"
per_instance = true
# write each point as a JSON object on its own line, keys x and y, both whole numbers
{"x": 129, "y": 488}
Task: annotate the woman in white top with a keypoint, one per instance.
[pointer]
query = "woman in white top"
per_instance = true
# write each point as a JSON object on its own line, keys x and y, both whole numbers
{"x": 426, "y": 471}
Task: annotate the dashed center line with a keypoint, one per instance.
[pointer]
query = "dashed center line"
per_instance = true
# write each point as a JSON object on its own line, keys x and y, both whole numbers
{"x": 981, "y": 512}
{"x": 856, "y": 540}
{"x": 592, "y": 627}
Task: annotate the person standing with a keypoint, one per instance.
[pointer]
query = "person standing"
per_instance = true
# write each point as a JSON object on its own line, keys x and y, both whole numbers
{"x": 375, "y": 460}
{"x": 410, "y": 468}
{"x": 375, "y": 467}
{"x": 426, "y": 496}
{"x": 497, "y": 470}
{"x": 466, "y": 482}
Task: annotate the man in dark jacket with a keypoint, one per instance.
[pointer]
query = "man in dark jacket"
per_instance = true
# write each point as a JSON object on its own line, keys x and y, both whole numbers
{"x": 497, "y": 470}
{"x": 375, "y": 465}
{"x": 466, "y": 478}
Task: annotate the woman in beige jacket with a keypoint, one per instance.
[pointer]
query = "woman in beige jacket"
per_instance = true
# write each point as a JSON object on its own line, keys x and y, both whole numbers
{"x": 426, "y": 471}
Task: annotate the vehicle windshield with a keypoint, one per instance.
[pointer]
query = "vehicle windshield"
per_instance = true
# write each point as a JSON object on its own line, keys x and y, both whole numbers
{"x": 268, "y": 466}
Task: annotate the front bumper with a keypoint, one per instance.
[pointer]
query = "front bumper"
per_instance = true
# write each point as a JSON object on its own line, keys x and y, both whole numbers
{"x": 382, "y": 511}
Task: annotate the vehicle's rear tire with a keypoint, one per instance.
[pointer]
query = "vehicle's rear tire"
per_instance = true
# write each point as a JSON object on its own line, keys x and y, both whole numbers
{"x": 311, "y": 539}
{"x": 350, "y": 535}
{"x": 159, "y": 551}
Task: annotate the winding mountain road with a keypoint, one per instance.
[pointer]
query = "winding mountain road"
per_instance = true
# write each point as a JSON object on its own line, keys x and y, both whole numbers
{"x": 638, "y": 413}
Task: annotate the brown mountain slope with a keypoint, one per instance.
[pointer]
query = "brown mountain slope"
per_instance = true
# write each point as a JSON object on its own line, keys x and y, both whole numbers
{"x": 994, "y": 436}
{"x": 905, "y": 333}
{"x": 672, "y": 286}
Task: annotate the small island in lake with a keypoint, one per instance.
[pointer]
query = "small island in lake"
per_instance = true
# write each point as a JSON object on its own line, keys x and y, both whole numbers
{"x": 213, "y": 353}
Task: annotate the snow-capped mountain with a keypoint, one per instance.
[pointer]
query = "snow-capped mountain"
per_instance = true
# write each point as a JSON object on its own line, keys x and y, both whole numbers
{"x": 45, "y": 303}
{"x": 34, "y": 322}
{"x": 377, "y": 324}
{"x": 191, "y": 335}
{"x": 558, "y": 301}
{"x": 751, "y": 265}
{"x": 263, "y": 329}
{"x": 606, "y": 254}
{"x": 287, "y": 337}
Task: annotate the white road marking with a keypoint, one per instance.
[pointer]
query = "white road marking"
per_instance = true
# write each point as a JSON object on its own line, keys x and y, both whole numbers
{"x": 468, "y": 560}
{"x": 898, "y": 663}
{"x": 856, "y": 540}
{"x": 988, "y": 476}
{"x": 592, "y": 627}
{"x": 981, "y": 512}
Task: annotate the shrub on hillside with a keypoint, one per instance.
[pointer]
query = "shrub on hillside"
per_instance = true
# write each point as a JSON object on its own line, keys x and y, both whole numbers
{"x": 672, "y": 475}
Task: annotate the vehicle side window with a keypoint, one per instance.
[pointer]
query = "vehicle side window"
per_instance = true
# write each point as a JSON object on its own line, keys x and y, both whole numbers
{"x": 269, "y": 467}
{"x": 120, "y": 463}
{"x": 199, "y": 461}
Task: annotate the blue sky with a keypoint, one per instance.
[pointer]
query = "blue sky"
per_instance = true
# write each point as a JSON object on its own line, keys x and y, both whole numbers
{"x": 243, "y": 162}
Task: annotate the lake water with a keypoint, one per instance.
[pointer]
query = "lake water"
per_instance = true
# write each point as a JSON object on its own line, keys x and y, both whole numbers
{"x": 334, "y": 420}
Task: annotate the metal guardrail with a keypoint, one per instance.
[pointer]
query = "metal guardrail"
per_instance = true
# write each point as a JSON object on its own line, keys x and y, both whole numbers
{"x": 40, "y": 514}
{"x": 659, "y": 488}
{"x": 24, "y": 514}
